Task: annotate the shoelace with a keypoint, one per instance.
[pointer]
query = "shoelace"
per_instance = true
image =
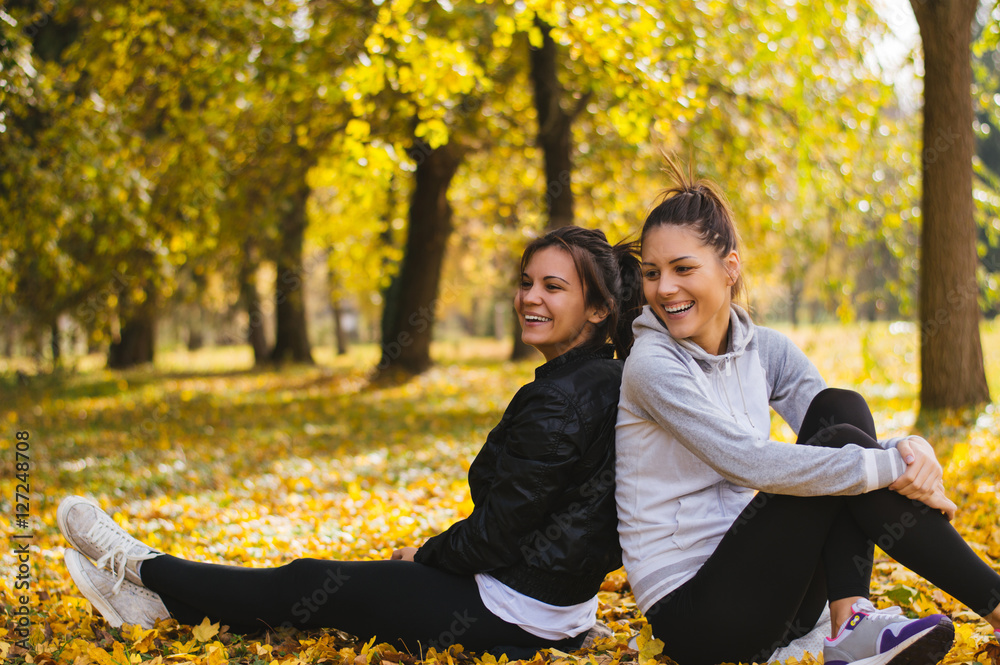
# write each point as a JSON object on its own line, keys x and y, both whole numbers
{"x": 886, "y": 614}
{"x": 117, "y": 557}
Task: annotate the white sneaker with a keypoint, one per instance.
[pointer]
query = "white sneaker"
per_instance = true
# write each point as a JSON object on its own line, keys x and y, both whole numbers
{"x": 91, "y": 531}
{"x": 119, "y": 602}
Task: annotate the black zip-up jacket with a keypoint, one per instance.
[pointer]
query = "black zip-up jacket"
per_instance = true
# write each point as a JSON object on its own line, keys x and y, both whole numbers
{"x": 543, "y": 485}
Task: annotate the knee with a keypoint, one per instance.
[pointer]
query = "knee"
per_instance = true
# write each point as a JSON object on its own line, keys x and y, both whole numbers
{"x": 838, "y": 404}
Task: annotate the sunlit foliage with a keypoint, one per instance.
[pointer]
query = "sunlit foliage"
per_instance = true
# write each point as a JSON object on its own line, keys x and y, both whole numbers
{"x": 209, "y": 461}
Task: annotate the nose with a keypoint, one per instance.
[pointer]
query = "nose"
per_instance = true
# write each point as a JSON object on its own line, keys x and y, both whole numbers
{"x": 532, "y": 295}
{"x": 666, "y": 287}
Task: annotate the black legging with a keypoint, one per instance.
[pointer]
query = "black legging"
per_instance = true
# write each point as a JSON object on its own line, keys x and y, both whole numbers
{"x": 785, "y": 556}
{"x": 408, "y": 603}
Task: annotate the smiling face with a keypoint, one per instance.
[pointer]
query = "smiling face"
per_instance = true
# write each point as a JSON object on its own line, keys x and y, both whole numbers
{"x": 688, "y": 286}
{"x": 551, "y": 304}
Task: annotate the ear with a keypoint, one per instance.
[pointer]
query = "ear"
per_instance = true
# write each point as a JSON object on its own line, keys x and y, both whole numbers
{"x": 598, "y": 315}
{"x": 731, "y": 263}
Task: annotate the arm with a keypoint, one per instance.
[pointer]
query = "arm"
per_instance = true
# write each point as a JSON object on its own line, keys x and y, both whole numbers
{"x": 662, "y": 390}
{"x": 794, "y": 380}
{"x": 532, "y": 467}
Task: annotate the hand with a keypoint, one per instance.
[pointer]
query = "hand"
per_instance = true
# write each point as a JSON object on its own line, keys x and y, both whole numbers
{"x": 922, "y": 480}
{"x": 939, "y": 501}
{"x": 403, "y": 554}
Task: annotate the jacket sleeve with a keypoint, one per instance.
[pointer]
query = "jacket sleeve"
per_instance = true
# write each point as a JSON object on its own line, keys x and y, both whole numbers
{"x": 661, "y": 389}
{"x": 539, "y": 449}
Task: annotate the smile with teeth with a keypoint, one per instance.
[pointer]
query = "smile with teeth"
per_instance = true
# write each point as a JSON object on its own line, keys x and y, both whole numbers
{"x": 533, "y": 318}
{"x": 679, "y": 307}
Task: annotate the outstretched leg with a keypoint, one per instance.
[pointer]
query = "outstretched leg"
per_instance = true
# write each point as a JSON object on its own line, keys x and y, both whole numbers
{"x": 415, "y": 604}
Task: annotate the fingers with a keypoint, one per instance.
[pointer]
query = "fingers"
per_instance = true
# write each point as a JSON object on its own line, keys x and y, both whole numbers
{"x": 923, "y": 471}
{"x": 939, "y": 501}
{"x": 906, "y": 450}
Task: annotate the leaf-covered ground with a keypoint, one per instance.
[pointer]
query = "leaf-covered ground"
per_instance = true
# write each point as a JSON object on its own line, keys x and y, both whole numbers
{"x": 219, "y": 464}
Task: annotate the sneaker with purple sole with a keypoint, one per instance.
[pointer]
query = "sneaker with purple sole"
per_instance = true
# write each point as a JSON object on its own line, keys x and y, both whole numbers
{"x": 886, "y": 637}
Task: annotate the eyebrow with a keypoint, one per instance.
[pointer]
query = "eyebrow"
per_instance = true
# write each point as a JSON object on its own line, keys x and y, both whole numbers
{"x": 524, "y": 274}
{"x": 679, "y": 258}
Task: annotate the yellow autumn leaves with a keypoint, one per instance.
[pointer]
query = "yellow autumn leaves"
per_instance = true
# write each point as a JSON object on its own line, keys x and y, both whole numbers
{"x": 258, "y": 468}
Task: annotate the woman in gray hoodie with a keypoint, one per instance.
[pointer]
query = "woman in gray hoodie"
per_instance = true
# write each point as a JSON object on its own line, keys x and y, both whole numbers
{"x": 713, "y": 514}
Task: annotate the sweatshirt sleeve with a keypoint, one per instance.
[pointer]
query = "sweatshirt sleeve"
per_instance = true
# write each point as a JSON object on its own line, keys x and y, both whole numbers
{"x": 531, "y": 473}
{"x": 659, "y": 387}
{"x": 793, "y": 380}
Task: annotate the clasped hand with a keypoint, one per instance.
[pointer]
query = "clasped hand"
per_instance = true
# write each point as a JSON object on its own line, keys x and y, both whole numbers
{"x": 403, "y": 554}
{"x": 923, "y": 478}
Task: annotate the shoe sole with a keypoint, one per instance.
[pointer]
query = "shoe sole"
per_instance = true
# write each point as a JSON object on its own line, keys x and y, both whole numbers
{"x": 928, "y": 648}
{"x": 89, "y": 591}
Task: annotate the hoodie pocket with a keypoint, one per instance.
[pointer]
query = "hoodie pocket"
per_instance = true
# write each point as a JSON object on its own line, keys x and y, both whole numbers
{"x": 697, "y": 514}
{"x": 708, "y": 514}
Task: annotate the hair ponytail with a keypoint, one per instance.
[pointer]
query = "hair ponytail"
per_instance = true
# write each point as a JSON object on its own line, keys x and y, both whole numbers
{"x": 700, "y": 206}
{"x": 632, "y": 298}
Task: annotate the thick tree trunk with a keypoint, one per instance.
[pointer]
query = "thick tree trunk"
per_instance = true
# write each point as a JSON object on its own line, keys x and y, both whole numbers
{"x": 408, "y": 323}
{"x": 951, "y": 355}
{"x": 137, "y": 336}
{"x": 291, "y": 341}
{"x": 555, "y": 138}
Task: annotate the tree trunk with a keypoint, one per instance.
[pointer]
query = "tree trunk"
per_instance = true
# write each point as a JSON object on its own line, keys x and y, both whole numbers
{"x": 408, "y": 323}
{"x": 54, "y": 343}
{"x": 250, "y": 300}
{"x": 291, "y": 341}
{"x": 951, "y": 355}
{"x": 555, "y": 138}
{"x": 137, "y": 335}
{"x": 337, "y": 309}
{"x": 338, "y": 328}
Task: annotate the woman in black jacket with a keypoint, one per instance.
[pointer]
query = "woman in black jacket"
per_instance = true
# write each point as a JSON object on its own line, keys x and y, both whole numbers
{"x": 520, "y": 573}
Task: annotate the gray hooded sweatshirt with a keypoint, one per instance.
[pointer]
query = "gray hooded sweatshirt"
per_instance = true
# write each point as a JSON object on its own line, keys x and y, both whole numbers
{"x": 693, "y": 444}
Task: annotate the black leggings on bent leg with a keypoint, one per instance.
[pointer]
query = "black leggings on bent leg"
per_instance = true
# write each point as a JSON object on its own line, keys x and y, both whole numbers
{"x": 785, "y": 556}
{"x": 408, "y": 604}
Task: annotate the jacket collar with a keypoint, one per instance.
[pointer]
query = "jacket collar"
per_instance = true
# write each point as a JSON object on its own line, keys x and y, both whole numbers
{"x": 585, "y": 352}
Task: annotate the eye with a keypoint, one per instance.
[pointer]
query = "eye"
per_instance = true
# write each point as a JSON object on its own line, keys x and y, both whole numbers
{"x": 525, "y": 284}
{"x": 551, "y": 286}
{"x": 651, "y": 274}
{"x": 684, "y": 269}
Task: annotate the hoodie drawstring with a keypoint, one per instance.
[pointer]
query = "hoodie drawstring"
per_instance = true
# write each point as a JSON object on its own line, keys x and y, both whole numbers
{"x": 746, "y": 409}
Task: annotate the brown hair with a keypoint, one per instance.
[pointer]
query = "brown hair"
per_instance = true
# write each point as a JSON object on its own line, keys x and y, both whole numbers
{"x": 611, "y": 279}
{"x": 700, "y": 206}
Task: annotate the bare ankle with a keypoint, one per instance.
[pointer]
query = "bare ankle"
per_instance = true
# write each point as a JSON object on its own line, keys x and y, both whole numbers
{"x": 840, "y": 611}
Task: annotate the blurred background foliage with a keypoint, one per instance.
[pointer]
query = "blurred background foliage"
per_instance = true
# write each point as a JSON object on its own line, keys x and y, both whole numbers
{"x": 299, "y": 172}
